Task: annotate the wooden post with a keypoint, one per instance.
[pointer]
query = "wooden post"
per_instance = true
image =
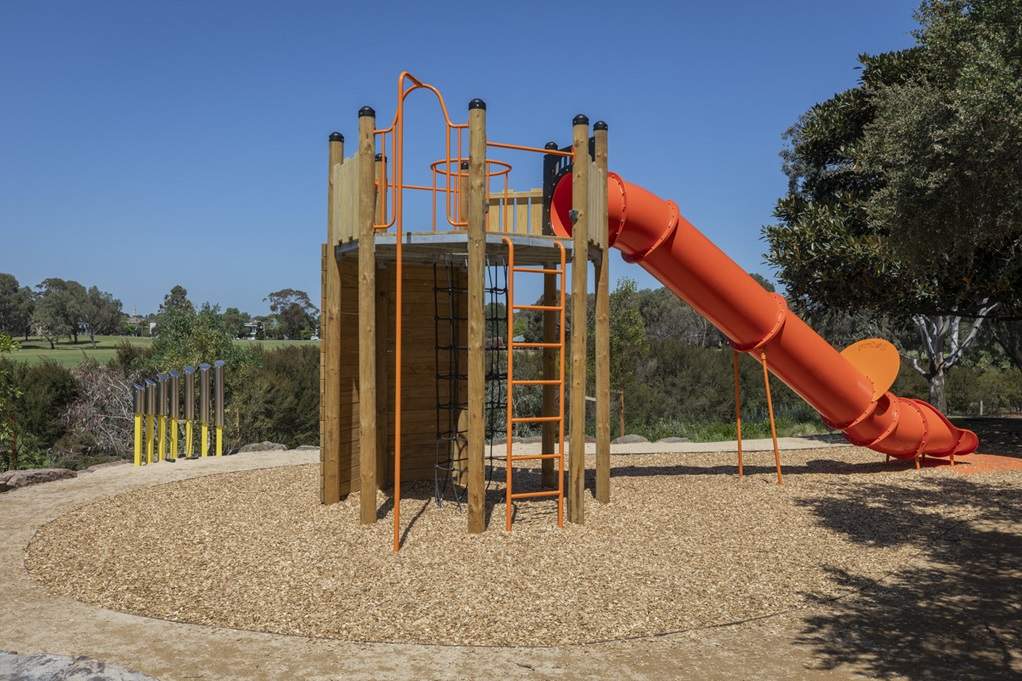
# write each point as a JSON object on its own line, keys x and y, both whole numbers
{"x": 579, "y": 270}
{"x": 476, "y": 315}
{"x": 366, "y": 316}
{"x": 598, "y": 226}
{"x": 329, "y": 344}
{"x": 551, "y": 298}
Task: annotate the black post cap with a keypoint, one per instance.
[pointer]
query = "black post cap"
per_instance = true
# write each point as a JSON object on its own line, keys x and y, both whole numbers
{"x": 366, "y": 111}
{"x": 379, "y": 157}
{"x": 336, "y": 137}
{"x": 464, "y": 165}
{"x": 477, "y": 104}
{"x": 580, "y": 119}
{"x": 600, "y": 125}
{"x": 550, "y": 145}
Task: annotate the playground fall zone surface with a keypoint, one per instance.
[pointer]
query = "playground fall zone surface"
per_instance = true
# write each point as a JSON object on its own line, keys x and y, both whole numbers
{"x": 684, "y": 544}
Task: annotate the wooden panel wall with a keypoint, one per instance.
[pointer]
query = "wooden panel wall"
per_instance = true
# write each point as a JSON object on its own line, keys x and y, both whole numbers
{"x": 419, "y": 383}
{"x": 515, "y": 213}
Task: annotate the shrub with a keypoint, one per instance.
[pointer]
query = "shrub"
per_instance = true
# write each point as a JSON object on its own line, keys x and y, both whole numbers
{"x": 275, "y": 397}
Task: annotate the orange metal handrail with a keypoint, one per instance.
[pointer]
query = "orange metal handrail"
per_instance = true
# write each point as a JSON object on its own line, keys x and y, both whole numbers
{"x": 509, "y": 494}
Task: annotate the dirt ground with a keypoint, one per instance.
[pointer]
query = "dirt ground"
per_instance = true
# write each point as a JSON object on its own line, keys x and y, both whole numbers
{"x": 952, "y": 611}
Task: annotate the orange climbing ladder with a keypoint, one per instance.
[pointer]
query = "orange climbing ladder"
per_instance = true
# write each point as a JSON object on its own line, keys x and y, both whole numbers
{"x": 509, "y": 494}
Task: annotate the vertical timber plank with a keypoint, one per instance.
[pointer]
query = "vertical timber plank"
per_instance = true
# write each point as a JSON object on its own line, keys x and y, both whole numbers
{"x": 330, "y": 334}
{"x": 579, "y": 270}
{"x": 598, "y": 227}
{"x": 476, "y": 315}
{"x": 367, "y": 317}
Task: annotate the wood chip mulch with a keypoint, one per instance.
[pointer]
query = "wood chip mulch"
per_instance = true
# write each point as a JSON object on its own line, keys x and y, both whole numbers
{"x": 684, "y": 544}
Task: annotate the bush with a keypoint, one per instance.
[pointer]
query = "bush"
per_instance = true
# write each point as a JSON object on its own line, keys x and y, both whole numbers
{"x": 275, "y": 397}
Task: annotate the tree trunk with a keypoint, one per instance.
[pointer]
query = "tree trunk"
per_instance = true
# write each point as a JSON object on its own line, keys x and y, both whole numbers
{"x": 52, "y": 346}
{"x": 938, "y": 393}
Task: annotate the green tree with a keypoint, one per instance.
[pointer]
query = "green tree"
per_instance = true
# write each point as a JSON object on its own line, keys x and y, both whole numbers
{"x": 177, "y": 299}
{"x": 16, "y": 305}
{"x": 61, "y": 308}
{"x": 101, "y": 313}
{"x": 235, "y": 320}
{"x": 9, "y": 396}
{"x": 296, "y": 314}
{"x": 891, "y": 208}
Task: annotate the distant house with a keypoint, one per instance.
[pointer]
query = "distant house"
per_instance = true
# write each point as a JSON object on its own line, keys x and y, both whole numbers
{"x": 253, "y": 330}
{"x": 136, "y": 323}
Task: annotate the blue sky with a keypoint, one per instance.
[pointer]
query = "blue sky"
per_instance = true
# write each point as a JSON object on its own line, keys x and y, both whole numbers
{"x": 148, "y": 144}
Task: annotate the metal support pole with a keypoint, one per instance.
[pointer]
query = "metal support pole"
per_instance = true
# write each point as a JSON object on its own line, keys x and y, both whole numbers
{"x": 189, "y": 411}
{"x": 175, "y": 408}
{"x": 770, "y": 412}
{"x": 204, "y": 409}
{"x": 162, "y": 401}
{"x": 150, "y": 410}
{"x": 138, "y": 394}
{"x": 738, "y": 410}
{"x": 218, "y": 371}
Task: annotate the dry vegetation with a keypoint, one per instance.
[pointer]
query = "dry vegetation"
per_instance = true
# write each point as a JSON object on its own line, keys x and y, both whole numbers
{"x": 683, "y": 545}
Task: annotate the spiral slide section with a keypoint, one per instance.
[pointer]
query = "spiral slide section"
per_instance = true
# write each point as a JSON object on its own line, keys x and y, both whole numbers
{"x": 850, "y": 389}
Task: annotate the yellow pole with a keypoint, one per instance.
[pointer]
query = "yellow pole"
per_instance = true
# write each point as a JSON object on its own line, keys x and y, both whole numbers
{"x": 173, "y": 439}
{"x": 219, "y": 441}
{"x": 189, "y": 440}
{"x": 163, "y": 438}
{"x": 204, "y": 440}
{"x": 138, "y": 439}
{"x": 150, "y": 436}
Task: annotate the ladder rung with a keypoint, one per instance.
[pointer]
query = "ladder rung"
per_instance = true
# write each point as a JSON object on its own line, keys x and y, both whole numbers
{"x": 536, "y": 381}
{"x": 531, "y": 344}
{"x": 535, "y": 419}
{"x": 535, "y": 457}
{"x": 541, "y": 493}
{"x": 548, "y": 308}
{"x": 537, "y": 270}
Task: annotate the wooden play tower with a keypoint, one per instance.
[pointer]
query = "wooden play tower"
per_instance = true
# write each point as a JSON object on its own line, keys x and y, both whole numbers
{"x": 417, "y": 375}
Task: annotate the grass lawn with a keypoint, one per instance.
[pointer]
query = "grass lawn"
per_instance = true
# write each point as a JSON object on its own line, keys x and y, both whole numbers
{"x": 69, "y": 354}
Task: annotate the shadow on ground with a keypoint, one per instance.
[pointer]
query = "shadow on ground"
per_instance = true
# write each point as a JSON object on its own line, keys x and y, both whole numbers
{"x": 997, "y": 434}
{"x": 955, "y": 616}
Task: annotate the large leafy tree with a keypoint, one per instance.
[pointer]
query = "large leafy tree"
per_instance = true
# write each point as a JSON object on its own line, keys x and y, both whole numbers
{"x": 904, "y": 192}
{"x": 60, "y": 309}
{"x": 16, "y": 305}
{"x": 101, "y": 313}
{"x": 295, "y": 313}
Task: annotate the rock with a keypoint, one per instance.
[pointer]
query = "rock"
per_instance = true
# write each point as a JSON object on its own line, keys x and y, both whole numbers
{"x": 265, "y": 446}
{"x": 629, "y": 439}
{"x": 307, "y": 448}
{"x": 32, "y": 476}
{"x": 44, "y": 667}
{"x": 674, "y": 439}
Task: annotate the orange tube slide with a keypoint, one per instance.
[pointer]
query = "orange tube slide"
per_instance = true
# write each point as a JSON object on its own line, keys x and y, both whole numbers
{"x": 651, "y": 232}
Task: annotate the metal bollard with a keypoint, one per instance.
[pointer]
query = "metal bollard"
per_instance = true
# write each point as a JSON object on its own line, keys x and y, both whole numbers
{"x": 138, "y": 394}
{"x": 162, "y": 400}
{"x": 218, "y": 373}
{"x": 204, "y": 408}
{"x": 175, "y": 407}
{"x": 150, "y": 410}
{"x": 189, "y": 410}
